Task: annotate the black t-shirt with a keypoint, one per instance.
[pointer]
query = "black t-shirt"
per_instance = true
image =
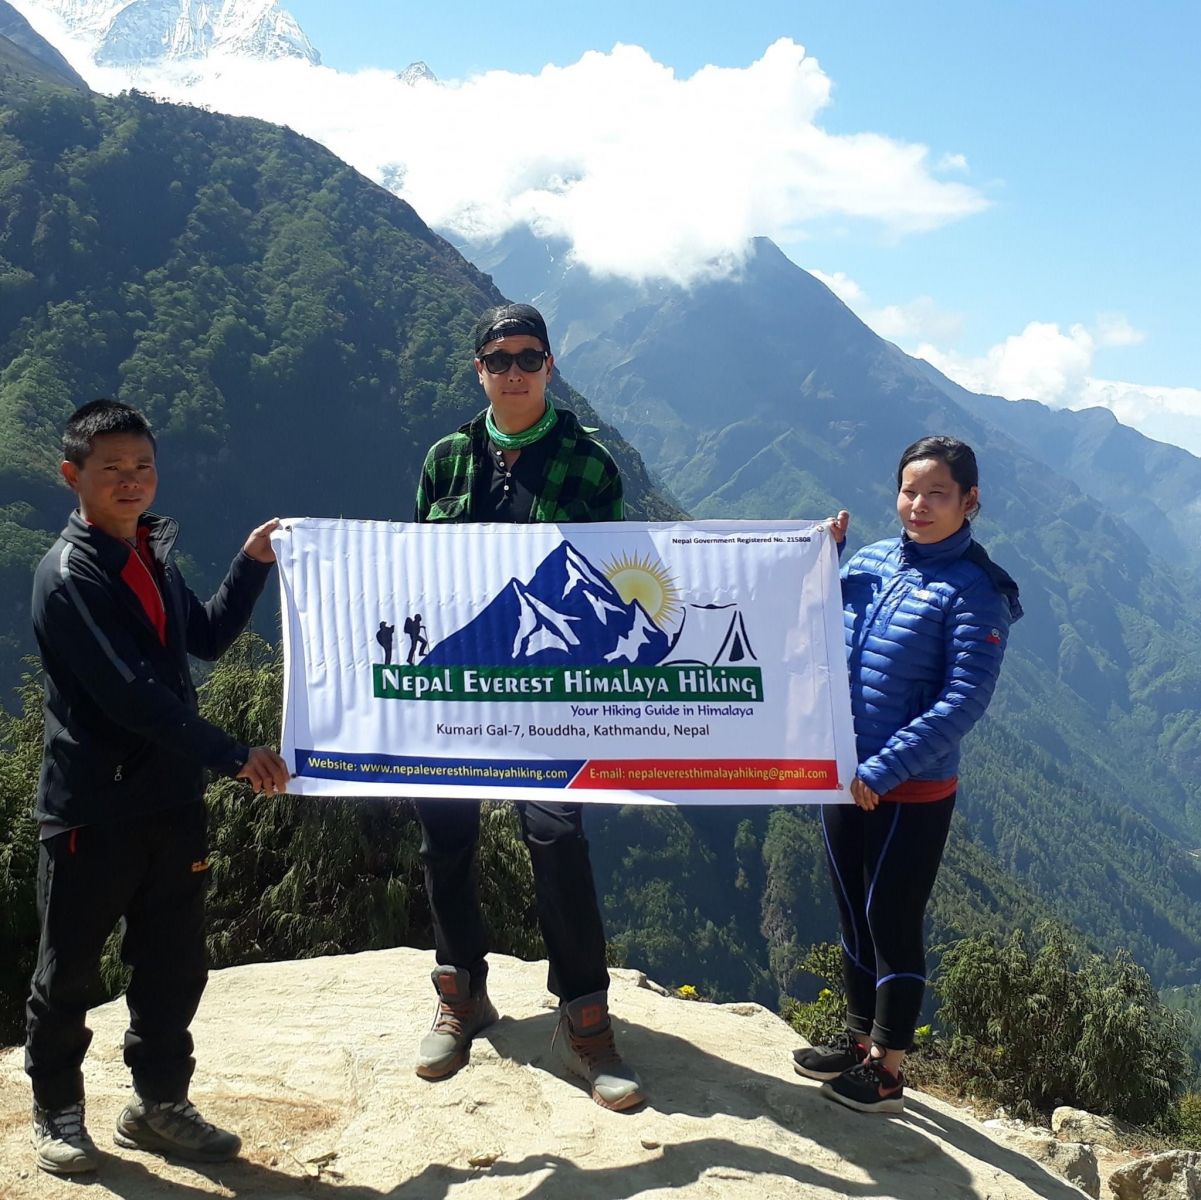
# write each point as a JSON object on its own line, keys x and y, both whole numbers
{"x": 507, "y": 494}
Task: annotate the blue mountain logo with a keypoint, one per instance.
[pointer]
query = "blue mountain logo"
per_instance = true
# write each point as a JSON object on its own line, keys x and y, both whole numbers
{"x": 568, "y": 614}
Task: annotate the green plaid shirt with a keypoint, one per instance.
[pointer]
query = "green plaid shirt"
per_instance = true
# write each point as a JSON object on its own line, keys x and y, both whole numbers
{"x": 582, "y": 482}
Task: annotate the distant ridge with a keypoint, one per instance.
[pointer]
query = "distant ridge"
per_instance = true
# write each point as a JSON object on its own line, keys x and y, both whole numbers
{"x": 24, "y": 50}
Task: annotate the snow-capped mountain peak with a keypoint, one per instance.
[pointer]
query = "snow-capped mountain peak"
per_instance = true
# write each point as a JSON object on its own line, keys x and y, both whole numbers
{"x": 131, "y": 33}
{"x": 417, "y": 72}
{"x": 540, "y": 627}
{"x": 581, "y": 571}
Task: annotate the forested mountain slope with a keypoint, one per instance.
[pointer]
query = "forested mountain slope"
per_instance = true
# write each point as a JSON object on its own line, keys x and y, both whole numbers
{"x": 297, "y": 335}
{"x": 762, "y": 395}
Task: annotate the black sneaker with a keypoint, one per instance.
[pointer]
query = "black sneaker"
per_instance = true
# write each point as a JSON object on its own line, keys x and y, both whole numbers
{"x": 843, "y": 1052}
{"x": 869, "y": 1087}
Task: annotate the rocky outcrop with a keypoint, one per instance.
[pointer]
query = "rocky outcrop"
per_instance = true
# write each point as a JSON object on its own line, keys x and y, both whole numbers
{"x": 311, "y": 1062}
{"x": 1073, "y": 1161}
{"x": 1080, "y": 1126}
{"x": 1172, "y": 1176}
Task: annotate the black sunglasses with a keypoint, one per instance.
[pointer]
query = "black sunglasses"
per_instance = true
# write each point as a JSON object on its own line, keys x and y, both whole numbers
{"x": 499, "y": 361}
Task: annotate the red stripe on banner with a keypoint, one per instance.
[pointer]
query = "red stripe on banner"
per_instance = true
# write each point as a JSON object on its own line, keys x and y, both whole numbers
{"x": 708, "y": 774}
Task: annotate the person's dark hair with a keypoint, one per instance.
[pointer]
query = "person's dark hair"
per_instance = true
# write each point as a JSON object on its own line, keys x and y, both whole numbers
{"x": 95, "y": 419}
{"x": 959, "y": 457}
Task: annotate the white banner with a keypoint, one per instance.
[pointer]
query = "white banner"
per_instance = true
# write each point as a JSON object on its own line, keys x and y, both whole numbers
{"x": 697, "y": 663}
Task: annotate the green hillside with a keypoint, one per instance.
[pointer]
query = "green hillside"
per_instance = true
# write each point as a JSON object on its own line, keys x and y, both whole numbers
{"x": 26, "y": 54}
{"x": 297, "y": 336}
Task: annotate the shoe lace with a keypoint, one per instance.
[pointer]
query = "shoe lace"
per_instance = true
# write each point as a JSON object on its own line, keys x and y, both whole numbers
{"x": 64, "y": 1123}
{"x": 595, "y": 1049}
{"x": 844, "y": 1042}
{"x": 873, "y": 1072}
{"x": 450, "y": 1017}
{"x": 183, "y": 1114}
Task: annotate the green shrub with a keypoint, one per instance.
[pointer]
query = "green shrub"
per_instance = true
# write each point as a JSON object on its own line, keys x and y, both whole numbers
{"x": 20, "y": 761}
{"x": 818, "y": 1020}
{"x": 1183, "y": 1123}
{"x": 1058, "y": 1026}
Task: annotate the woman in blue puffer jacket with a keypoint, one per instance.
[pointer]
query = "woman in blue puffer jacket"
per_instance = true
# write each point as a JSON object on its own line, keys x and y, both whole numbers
{"x": 927, "y": 616}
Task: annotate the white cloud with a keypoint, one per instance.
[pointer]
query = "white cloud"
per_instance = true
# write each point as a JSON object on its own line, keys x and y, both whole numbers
{"x": 841, "y": 284}
{"x": 1040, "y": 363}
{"x": 1114, "y": 330}
{"x": 644, "y": 172}
{"x": 953, "y": 162}
{"x": 916, "y": 320}
{"x": 1168, "y": 414}
{"x": 1055, "y": 366}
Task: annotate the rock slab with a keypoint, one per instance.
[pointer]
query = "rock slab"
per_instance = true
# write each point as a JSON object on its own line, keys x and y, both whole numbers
{"x": 311, "y": 1062}
{"x": 1175, "y": 1175}
{"x": 1081, "y": 1126}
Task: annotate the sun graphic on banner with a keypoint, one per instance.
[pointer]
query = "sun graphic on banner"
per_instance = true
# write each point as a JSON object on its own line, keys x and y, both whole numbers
{"x": 647, "y": 582}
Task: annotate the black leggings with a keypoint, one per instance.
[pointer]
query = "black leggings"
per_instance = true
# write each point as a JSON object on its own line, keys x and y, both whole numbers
{"x": 882, "y": 865}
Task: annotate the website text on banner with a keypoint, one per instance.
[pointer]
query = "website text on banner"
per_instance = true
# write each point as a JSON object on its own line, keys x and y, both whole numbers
{"x": 625, "y": 663}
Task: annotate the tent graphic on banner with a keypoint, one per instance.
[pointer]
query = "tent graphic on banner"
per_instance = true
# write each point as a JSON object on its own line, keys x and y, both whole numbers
{"x": 712, "y": 635}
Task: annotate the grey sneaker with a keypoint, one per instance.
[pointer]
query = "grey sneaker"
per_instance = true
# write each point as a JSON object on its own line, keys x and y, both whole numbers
{"x": 174, "y": 1128}
{"x": 460, "y": 1015}
{"x": 61, "y": 1141}
{"x": 584, "y": 1039}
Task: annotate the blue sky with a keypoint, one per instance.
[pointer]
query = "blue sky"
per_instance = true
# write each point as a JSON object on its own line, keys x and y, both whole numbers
{"x": 1008, "y": 189}
{"x": 1079, "y": 122}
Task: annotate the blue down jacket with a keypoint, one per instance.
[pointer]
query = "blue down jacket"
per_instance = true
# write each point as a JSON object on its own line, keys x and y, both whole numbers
{"x": 926, "y": 627}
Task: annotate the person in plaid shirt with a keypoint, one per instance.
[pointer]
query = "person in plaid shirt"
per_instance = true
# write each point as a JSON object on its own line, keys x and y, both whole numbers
{"x": 520, "y": 461}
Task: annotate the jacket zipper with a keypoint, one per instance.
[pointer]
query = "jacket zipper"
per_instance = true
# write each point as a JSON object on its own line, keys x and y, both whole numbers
{"x": 869, "y": 619}
{"x": 153, "y": 582}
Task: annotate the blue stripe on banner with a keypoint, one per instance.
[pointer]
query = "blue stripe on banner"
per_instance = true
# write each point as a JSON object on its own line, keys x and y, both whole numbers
{"x": 390, "y": 768}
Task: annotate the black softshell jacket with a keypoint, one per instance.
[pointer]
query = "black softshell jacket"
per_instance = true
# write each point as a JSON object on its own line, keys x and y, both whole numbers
{"x": 123, "y": 736}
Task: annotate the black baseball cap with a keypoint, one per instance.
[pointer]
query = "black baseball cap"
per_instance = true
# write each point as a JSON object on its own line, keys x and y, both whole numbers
{"x": 507, "y": 319}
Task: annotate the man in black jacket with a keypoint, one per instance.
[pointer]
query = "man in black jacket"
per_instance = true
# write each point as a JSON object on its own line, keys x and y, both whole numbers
{"x": 120, "y": 799}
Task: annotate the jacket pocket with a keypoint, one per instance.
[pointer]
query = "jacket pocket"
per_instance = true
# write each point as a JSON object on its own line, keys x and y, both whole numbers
{"x": 452, "y": 508}
{"x": 99, "y": 760}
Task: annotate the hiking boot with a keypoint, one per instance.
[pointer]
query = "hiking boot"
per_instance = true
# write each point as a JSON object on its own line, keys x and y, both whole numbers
{"x": 461, "y": 1013}
{"x": 840, "y": 1054}
{"x": 174, "y": 1128}
{"x": 869, "y": 1087}
{"x": 584, "y": 1038}
{"x": 61, "y": 1141}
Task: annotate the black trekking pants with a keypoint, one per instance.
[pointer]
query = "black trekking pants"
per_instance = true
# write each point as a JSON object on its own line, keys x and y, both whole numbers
{"x": 882, "y": 865}
{"x": 566, "y": 895}
{"x": 152, "y": 871}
